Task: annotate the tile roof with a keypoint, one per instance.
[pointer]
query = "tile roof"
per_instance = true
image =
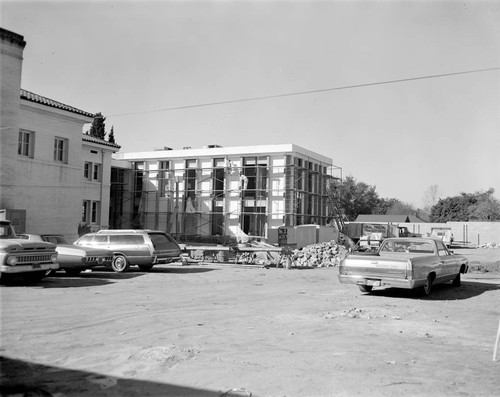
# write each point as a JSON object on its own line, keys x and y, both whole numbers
{"x": 92, "y": 139}
{"x": 30, "y": 96}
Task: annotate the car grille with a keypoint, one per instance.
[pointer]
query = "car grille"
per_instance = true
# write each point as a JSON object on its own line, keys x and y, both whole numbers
{"x": 34, "y": 258}
{"x": 99, "y": 259}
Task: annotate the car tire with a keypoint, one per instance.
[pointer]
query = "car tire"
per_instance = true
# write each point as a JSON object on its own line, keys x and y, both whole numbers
{"x": 120, "y": 263}
{"x": 73, "y": 272}
{"x": 365, "y": 288}
{"x": 146, "y": 268}
{"x": 456, "y": 281}
{"x": 427, "y": 287}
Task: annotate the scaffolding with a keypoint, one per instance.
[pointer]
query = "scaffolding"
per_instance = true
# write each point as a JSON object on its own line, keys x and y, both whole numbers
{"x": 221, "y": 201}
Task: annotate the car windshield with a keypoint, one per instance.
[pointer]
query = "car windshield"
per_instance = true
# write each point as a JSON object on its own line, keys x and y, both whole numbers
{"x": 55, "y": 239}
{"x": 6, "y": 232}
{"x": 85, "y": 239}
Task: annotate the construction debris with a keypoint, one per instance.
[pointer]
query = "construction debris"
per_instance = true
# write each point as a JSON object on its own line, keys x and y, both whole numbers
{"x": 490, "y": 245}
{"x": 326, "y": 254}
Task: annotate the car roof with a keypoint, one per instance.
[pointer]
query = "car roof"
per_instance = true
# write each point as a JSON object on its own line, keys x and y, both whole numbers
{"x": 409, "y": 239}
{"x": 128, "y": 231}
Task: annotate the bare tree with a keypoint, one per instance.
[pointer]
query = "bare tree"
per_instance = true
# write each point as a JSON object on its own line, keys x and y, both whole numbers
{"x": 431, "y": 197}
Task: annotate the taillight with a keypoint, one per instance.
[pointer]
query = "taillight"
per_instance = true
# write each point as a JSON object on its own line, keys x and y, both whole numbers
{"x": 341, "y": 266}
{"x": 409, "y": 270}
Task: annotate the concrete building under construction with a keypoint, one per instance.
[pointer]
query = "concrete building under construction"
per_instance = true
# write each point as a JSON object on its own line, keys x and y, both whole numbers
{"x": 217, "y": 193}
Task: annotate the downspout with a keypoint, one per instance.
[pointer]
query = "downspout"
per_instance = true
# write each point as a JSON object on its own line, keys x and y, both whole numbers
{"x": 101, "y": 189}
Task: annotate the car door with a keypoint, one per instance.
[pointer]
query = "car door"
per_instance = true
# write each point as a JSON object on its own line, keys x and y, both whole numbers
{"x": 450, "y": 265}
{"x": 132, "y": 245}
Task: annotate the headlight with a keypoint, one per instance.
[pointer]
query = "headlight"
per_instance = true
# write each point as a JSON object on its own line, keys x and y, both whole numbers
{"x": 12, "y": 260}
{"x": 53, "y": 258}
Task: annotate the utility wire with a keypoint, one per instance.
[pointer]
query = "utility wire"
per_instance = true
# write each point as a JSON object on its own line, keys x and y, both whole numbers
{"x": 306, "y": 92}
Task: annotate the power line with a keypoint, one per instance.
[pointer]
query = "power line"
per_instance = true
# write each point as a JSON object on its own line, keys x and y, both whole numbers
{"x": 306, "y": 92}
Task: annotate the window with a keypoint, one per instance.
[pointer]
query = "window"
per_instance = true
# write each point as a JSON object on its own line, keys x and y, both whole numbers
{"x": 190, "y": 179}
{"x": 26, "y": 144}
{"x": 255, "y": 170}
{"x": 92, "y": 171}
{"x": 95, "y": 211}
{"x": 85, "y": 210}
{"x": 126, "y": 239}
{"x": 91, "y": 211}
{"x": 218, "y": 177}
{"x": 96, "y": 175}
{"x": 86, "y": 170}
{"x": 61, "y": 150}
{"x": 163, "y": 175}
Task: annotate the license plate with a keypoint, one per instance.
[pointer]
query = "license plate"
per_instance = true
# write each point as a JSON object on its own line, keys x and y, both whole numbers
{"x": 374, "y": 283}
{"x": 36, "y": 266}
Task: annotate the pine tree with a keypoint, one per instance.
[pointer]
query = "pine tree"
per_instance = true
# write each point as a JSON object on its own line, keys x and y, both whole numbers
{"x": 97, "y": 129}
{"x": 111, "y": 136}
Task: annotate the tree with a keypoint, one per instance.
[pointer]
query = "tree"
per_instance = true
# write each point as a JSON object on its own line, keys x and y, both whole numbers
{"x": 97, "y": 129}
{"x": 356, "y": 198}
{"x": 487, "y": 207}
{"x": 431, "y": 197}
{"x": 400, "y": 208}
{"x": 480, "y": 206}
{"x": 111, "y": 136}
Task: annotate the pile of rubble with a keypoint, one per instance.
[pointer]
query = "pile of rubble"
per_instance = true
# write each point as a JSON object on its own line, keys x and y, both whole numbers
{"x": 326, "y": 254}
{"x": 490, "y": 245}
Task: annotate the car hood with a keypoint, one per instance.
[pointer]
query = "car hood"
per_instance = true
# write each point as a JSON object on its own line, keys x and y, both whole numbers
{"x": 70, "y": 249}
{"x": 20, "y": 245}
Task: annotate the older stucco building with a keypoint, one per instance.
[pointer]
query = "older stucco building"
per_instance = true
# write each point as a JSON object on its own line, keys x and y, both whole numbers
{"x": 53, "y": 178}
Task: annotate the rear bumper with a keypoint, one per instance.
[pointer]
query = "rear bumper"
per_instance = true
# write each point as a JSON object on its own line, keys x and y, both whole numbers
{"x": 29, "y": 268}
{"x": 162, "y": 260}
{"x": 380, "y": 281}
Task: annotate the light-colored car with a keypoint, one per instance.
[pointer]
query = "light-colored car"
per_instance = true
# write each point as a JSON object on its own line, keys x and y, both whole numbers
{"x": 444, "y": 233}
{"x": 404, "y": 263}
{"x": 29, "y": 259}
{"x": 73, "y": 259}
{"x": 141, "y": 247}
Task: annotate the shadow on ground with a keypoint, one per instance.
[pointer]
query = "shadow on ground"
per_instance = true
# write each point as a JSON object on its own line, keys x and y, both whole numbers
{"x": 62, "y": 280}
{"x": 442, "y": 292}
{"x": 22, "y": 378}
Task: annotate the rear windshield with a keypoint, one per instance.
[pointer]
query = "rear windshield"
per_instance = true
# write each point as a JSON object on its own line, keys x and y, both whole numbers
{"x": 126, "y": 239}
{"x": 162, "y": 241}
{"x": 422, "y": 247}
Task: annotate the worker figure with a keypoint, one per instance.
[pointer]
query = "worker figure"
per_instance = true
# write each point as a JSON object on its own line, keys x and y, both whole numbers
{"x": 243, "y": 181}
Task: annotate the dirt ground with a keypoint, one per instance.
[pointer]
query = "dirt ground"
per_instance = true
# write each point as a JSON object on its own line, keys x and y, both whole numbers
{"x": 233, "y": 330}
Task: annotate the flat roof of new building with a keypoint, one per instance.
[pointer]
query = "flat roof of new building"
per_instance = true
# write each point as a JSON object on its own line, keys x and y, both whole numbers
{"x": 216, "y": 150}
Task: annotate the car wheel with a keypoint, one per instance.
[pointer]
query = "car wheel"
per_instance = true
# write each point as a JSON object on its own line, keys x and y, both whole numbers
{"x": 456, "y": 281}
{"x": 34, "y": 277}
{"x": 365, "y": 288}
{"x": 427, "y": 287}
{"x": 73, "y": 272}
{"x": 146, "y": 268}
{"x": 120, "y": 264}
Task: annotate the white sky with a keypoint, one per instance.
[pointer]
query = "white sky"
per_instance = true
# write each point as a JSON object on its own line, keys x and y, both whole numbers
{"x": 138, "y": 58}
